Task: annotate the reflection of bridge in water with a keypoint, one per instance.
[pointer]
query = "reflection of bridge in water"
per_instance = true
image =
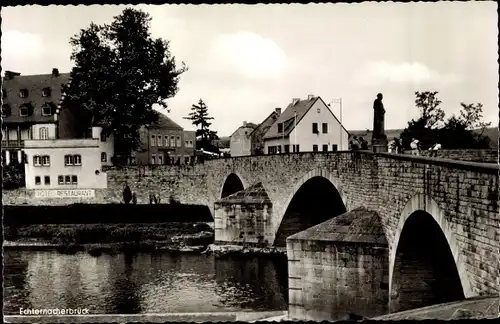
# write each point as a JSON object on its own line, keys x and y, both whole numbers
{"x": 438, "y": 227}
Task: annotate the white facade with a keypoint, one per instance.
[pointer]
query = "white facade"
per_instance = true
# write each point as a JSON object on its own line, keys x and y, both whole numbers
{"x": 65, "y": 164}
{"x": 334, "y": 139}
{"x": 106, "y": 146}
{"x": 43, "y": 131}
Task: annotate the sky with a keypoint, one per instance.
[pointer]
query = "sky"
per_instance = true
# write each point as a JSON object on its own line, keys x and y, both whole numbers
{"x": 246, "y": 60}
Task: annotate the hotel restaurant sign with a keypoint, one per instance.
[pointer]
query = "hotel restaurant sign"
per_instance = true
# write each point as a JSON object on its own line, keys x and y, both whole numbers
{"x": 65, "y": 193}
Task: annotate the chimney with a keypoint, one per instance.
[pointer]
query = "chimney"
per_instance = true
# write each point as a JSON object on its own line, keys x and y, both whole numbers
{"x": 9, "y": 75}
{"x": 55, "y": 72}
{"x": 309, "y": 97}
{"x": 295, "y": 100}
{"x": 278, "y": 111}
{"x": 244, "y": 123}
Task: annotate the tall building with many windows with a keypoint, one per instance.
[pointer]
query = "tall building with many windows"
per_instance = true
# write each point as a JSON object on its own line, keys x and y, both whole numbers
{"x": 30, "y": 111}
{"x": 165, "y": 142}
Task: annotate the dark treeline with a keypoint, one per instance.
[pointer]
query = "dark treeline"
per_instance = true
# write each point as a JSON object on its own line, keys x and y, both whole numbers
{"x": 105, "y": 213}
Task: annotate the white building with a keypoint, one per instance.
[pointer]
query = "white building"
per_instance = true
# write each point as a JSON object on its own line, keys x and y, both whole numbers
{"x": 68, "y": 163}
{"x": 306, "y": 126}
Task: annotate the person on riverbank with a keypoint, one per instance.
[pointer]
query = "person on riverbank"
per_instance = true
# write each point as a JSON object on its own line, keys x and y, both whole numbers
{"x": 134, "y": 198}
{"x": 127, "y": 194}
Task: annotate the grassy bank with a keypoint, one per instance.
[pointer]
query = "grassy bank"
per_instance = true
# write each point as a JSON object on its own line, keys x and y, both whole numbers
{"x": 98, "y": 238}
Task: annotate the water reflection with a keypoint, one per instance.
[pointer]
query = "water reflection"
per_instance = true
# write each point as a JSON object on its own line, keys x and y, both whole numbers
{"x": 143, "y": 283}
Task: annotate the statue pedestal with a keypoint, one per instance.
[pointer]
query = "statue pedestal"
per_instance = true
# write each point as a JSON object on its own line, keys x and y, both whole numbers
{"x": 380, "y": 145}
{"x": 380, "y": 148}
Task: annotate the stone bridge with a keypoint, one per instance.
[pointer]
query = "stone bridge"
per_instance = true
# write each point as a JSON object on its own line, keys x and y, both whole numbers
{"x": 440, "y": 217}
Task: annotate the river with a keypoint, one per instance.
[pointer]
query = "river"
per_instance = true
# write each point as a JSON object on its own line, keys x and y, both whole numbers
{"x": 143, "y": 282}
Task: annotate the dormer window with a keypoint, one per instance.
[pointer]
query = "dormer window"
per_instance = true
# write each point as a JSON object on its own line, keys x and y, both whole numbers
{"x": 280, "y": 128}
{"x": 24, "y": 110}
{"x": 23, "y": 93}
{"x": 46, "y": 92}
{"x": 6, "y": 110}
{"x": 47, "y": 110}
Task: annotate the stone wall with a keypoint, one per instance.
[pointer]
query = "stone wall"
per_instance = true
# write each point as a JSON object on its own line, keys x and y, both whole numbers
{"x": 184, "y": 184}
{"x": 244, "y": 218}
{"x": 490, "y": 156}
{"x": 338, "y": 269}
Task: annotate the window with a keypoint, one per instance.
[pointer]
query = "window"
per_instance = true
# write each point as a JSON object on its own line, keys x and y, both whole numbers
{"x": 158, "y": 140}
{"x": 67, "y": 179}
{"x": 68, "y": 160}
{"x": 103, "y": 137}
{"x": 104, "y": 157}
{"x": 153, "y": 140}
{"x": 46, "y": 180}
{"x": 315, "y": 128}
{"x": 77, "y": 159}
{"x": 319, "y": 110}
{"x": 335, "y": 148}
{"x": 46, "y": 92}
{"x": 160, "y": 159}
{"x": 74, "y": 179}
{"x": 315, "y": 148}
{"x": 44, "y": 133}
{"x": 38, "y": 181}
{"x": 325, "y": 147}
{"x": 24, "y": 110}
{"x": 46, "y": 160}
{"x": 23, "y": 93}
{"x": 60, "y": 179}
{"x": 190, "y": 143}
{"x": 186, "y": 143}
{"x": 153, "y": 159}
{"x": 298, "y": 150}
{"x": 37, "y": 160}
{"x": 287, "y": 148}
{"x": 178, "y": 142}
{"x": 5, "y": 110}
{"x": 167, "y": 142}
{"x": 46, "y": 110}
{"x": 172, "y": 141}
{"x": 280, "y": 127}
{"x": 325, "y": 128}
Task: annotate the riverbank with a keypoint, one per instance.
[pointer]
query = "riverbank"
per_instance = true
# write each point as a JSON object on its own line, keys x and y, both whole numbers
{"x": 112, "y": 238}
{"x": 152, "y": 318}
{"x": 96, "y": 239}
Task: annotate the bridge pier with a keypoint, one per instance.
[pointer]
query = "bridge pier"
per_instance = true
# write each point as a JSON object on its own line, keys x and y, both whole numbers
{"x": 244, "y": 218}
{"x": 339, "y": 269}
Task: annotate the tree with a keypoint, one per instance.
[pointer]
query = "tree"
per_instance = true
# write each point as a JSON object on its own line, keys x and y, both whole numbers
{"x": 462, "y": 132}
{"x": 465, "y": 131}
{"x": 120, "y": 72}
{"x": 425, "y": 127}
{"x": 200, "y": 118}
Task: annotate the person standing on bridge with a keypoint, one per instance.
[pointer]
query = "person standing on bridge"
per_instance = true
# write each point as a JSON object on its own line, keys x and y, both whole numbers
{"x": 415, "y": 147}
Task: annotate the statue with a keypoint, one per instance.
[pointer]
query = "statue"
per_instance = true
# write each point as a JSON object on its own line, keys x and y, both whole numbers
{"x": 379, "y": 139}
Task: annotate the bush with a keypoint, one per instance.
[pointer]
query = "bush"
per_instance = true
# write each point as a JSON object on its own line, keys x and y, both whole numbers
{"x": 13, "y": 176}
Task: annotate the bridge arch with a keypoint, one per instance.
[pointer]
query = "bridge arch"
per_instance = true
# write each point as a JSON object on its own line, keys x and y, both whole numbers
{"x": 234, "y": 182}
{"x": 424, "y": 251}
{"x": 322, "y": 191}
